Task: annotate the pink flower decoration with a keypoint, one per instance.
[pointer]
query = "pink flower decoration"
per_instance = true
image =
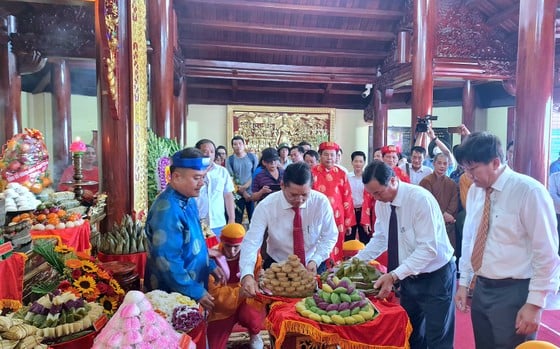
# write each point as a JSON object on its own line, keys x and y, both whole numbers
{"x": 151, "y": 333}
{"x": 130, "y": 310}
{"x": 132, "y": 324}
{"x": 115, "y": 340}
{"x": 133, "y": 337}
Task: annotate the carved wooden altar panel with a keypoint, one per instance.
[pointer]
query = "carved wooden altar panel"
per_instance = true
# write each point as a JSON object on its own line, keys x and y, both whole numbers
{"x": 263, "y": 127}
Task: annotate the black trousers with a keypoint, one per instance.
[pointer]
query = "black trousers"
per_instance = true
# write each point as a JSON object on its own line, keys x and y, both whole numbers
{"x": 495, "y": 304}
{"x": 429, "y": 302}
{"x": 240, "y": 206}
{"x": 358, "y": 229}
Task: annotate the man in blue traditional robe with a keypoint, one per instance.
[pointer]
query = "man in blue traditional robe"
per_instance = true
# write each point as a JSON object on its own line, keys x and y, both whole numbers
{"x": 178, "y": 259}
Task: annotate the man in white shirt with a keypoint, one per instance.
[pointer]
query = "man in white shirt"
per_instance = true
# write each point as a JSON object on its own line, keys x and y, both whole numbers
{"x": 419, "y": 253}
{"x": 217, "y": 193}
{"x": 514, "y": 255}
{"x": 415, "y": 170}
{"x": 355, "y": 179}
{"x": 275, "y": 214}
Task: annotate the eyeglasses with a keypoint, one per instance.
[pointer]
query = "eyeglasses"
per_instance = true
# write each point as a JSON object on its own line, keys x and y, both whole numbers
{"x": 470, "y": 169}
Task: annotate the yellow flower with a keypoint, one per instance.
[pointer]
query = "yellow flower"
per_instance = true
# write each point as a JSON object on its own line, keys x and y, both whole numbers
{"x": 63, "y": 249}
{"x": 89, "y": 267}
{"x": 85, "y": 284}
{"x": 109, "y": 304}
{"x": 116, "y": 287}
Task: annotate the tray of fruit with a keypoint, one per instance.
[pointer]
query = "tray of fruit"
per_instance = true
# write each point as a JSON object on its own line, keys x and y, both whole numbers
{"x": 339, "y": 304}
{"x": 361, "y": 273}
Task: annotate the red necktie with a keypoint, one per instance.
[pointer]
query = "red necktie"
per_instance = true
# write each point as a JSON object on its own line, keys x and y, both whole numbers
{"x": 393, "y": 243}
{"x": 299, "y": 245}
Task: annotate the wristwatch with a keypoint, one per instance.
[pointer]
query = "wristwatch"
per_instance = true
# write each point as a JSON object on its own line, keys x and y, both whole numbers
{"x": 394, "y": 276}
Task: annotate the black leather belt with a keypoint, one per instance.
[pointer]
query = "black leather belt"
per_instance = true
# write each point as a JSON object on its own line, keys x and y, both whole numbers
{"x": 497, "y": 283}
{"x": 427, "y": 275}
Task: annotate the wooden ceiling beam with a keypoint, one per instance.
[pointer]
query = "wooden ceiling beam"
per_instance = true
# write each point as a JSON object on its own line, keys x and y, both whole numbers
{"x": 274, "y": 50}
{"x": 302, "y": 9}
{"x": 278, "y": 67}
{"x": 324, "y": 33}
{"x": 275, "y": 89}
{"x": 42, "y": 84}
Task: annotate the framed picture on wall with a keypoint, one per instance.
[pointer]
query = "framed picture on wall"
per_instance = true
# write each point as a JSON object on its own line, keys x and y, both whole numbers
{"x": 263, "y": 127}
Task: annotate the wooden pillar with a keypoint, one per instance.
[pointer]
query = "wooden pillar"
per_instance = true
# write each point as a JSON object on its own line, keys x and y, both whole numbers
{"x": 10, "y": 83}
{"x": 380, "y": 114}
{"x": 180, "y": 111}
{"x": 469, "y": 105}
{"x": 535, "y": 67}
{"x": 422, "y": 59}
{"x": 61, "y": 116}
{"x": 161, "y": 92}
{"x": 510, "y": 124}
{"x": 114, "y": 108}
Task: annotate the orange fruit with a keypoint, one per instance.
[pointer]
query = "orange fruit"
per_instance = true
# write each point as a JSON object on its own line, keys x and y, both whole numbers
{"x": 52, "y": 215}
{"x": 36, "y": 188}
{"x": 16, "y": 219}
{"x": 41, "y": 217}
{"x": 46, "y": 181}
{"x": 61, "y": 213}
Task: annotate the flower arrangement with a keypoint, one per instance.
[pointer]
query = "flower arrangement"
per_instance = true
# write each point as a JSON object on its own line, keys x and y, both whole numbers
{"x": 79, "y": 274}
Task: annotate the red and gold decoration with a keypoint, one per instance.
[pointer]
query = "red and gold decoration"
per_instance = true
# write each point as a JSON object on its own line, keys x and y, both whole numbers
{"x": 264, "y": 127}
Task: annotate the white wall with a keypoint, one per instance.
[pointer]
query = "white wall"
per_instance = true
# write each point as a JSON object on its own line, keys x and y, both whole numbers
{"x": 350, "y": 131}
{"x": 209, "y": 121}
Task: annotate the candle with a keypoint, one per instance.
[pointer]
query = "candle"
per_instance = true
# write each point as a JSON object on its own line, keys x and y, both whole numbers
{"x": 78, "y": 146}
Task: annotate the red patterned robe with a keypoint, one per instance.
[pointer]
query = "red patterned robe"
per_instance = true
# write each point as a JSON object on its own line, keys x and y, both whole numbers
{"x": 334, "y": 184}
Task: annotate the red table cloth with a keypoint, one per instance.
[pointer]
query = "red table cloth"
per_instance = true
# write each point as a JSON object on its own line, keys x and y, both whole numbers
{"x": 76, "y": 238}
{"x": 11, "y": 287}
{"x": 390, "y": 329}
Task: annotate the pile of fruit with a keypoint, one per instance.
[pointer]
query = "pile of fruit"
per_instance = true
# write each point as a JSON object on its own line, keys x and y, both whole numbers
{"x": 338, "y": 302}
{"x": 361, "y": 273}
{"x": 288, "y": 279}
{"x": 15, "y": 334}
{"x": 49, "y": 216}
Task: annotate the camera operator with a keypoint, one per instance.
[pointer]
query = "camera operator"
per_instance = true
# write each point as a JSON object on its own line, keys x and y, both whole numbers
{"x": 439, "y": 147}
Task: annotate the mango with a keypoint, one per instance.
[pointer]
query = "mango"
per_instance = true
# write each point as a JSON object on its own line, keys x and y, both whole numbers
{"x": 337, "y": 319}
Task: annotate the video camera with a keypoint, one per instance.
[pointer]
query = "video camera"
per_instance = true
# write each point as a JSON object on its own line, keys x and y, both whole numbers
{"x": 423, "y": 121}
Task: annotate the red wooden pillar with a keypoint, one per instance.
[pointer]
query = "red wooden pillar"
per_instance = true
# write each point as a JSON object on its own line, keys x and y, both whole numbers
{"x": 180, "y": 111}
{"x": 469, "y": 105}
{"x": 160, "y": 32}
{"x": 535, "y": 68}
{"x": 61, "y": 116}
{"x": 422, "y": 59}
{"x": 10, "y": 83}
{"x": 115, "y": 111}
{"x": 379, "y": 119}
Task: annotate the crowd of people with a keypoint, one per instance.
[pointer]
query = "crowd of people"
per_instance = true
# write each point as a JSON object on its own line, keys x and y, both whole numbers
{"x": 411, "y": 216}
